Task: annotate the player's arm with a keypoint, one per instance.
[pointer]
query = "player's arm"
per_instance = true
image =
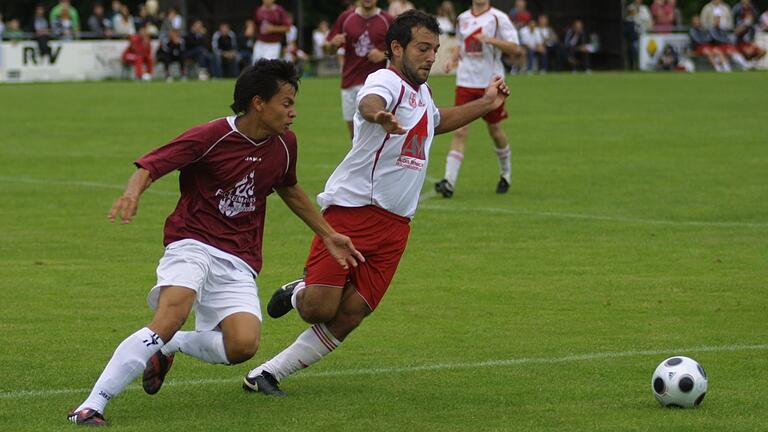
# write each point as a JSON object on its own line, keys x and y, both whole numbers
{"x": 340, "y": 246}
{"x": 453, "y": 61}
{"x": 506, "y": 47}
{"x": 373, "y": 108}
{"x": 455, "y": 117}
{"x": 128, "y": 203}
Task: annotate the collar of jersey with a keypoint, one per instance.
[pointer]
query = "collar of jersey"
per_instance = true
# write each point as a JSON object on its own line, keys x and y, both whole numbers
{"x": 410, "y": 84}
{"x": 231, "y": 121}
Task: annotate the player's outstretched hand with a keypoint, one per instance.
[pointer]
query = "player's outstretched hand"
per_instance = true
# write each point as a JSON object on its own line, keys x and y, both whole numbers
{"x": 376, "y": 56}
{"x": 389, "y": 122}
{"x": 496, "y": 92}
{"x": 125, "y": 207}
{"x": 342, "y": 249}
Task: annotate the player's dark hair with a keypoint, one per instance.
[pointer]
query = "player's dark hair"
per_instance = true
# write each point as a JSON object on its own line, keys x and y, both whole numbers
{"x": 401, "y": 29}
{"x": 263, "y": 80}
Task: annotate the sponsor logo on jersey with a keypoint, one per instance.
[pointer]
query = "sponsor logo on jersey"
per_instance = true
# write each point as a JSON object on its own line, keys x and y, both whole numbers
{"x": 472, "y": 45}
{"x": 412, "y": 155}
{"x": 363, "y": 45}
{"x": 239, "y": 199}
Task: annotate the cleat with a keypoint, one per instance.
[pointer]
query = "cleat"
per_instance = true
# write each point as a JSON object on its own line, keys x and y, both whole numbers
{"x": 87, "y": 417}
{"x": 280, "y": 303}
{"x": 264, "y": 382}
{"x": 444, "y": 188}
{"x": 154, "y": 373}
{"x": 503, "y": 186}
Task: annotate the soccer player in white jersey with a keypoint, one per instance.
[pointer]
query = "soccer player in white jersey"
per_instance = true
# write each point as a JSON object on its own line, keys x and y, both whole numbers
{"x": 484, "y": 34}
{"x": 371, "y": 197}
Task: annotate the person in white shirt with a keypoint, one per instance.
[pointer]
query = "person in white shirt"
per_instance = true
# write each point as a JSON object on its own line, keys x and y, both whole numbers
{"x": 318, "y": 39}
{"x": 485, "y": 34}
{"x": 371, "y": 196}
{"x": 533, "y": 40}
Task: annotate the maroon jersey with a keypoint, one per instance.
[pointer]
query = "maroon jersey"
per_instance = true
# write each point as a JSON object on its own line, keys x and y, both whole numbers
{"x": 225, "y": 180}
{"x": 275, "y": 16}
{"x": 363, "y": 34}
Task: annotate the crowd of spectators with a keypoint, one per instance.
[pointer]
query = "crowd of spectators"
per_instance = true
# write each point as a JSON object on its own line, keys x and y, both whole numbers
{"x": 720, "y": 33}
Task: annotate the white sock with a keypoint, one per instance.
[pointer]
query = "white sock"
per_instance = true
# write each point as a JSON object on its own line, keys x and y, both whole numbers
{"x": 505, "y": 164}
{"x": 126, "y": 363}
{"x": 296, "y": 290}
{"x": 315, "y": 343}
{"x": 740, "y": 60}
{"x": 207, "y": 346}
{"x": 453, "y": 165}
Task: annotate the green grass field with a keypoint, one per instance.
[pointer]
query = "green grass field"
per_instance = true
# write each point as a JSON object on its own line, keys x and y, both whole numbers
{"x": 636, "y": 228}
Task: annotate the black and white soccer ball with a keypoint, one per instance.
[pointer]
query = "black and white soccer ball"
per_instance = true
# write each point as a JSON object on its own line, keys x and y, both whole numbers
{"x": 679, "y": 382}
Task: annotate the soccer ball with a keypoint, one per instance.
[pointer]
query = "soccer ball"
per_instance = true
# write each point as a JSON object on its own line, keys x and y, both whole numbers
{"x": 679, "y": 382}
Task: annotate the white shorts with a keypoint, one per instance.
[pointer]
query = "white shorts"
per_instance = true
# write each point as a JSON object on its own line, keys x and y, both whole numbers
{"x": 349, "y": 102}
{"x": 223, "y": 283}
{"x": 266, "y": 50}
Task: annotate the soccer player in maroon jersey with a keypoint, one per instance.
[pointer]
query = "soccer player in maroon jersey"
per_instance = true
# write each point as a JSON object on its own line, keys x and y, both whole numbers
{"x": 272, "y": 23}
{"x": 213, "y": 238}
{"x": 362, "y": 32}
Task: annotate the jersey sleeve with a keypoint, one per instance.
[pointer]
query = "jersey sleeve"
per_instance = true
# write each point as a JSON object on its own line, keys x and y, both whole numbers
{"x": 336, "y": 28}
{"x": 289, "y": 179}
{"x": 285, "y": 18}
{"x": 381, "y": 83}
{"x": 182, "y": 151}
{"x": 507, "y": 30}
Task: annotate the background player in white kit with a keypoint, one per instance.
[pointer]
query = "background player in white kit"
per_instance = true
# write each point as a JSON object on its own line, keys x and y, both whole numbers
{"x": 484, "y": 34}
{"x": 371, "y": 197}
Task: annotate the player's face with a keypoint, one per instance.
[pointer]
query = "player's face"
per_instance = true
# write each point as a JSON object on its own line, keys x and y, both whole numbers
{"x": 420, "y": 55}
{"x": 368, "y": 4}
{"x": 280, "y": 111}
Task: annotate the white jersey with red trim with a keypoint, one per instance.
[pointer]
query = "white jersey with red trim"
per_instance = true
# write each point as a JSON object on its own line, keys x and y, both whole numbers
{"x": 479, "y": 62}
{"x": 383, "y": 169}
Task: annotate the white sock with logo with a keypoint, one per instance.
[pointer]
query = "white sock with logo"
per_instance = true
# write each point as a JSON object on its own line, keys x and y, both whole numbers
{"x": 453, "y": 165}
{"x": 315, "y": 343}
{"x": 505, "y": 163}
{"x": 301, "y": 285}
{"x": 126, "y": 363}
{"x": 207, "y": 346}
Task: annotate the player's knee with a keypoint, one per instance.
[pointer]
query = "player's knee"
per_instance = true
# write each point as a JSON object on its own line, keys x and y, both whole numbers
{"x": 461, "y": 133}
{"x": 317, "y": 312}
{"x": 167, "y": 325}
{"x": 240, "y": 349}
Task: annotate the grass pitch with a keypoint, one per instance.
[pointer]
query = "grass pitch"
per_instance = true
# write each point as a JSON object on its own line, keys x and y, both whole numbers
{"x": 636, "y": 228}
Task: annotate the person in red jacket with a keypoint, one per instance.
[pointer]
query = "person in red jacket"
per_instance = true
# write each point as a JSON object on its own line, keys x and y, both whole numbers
{"x": 139, "y": 54}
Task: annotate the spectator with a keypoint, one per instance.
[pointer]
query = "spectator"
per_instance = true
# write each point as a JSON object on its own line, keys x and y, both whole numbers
{"x": 172, "y": 21}
{"x": 197, "y": 51}
{"x": 551, "y": 40}
{"x": 170, "y": 51}
{"x": 13, "y": 31}
{"x": 741, "y": 9}
{"x": 396, "y": 7}
{"x": 669, "y": 59}
{"x": 663, "y": 14}
{"x": 63, "y": 26}
{"x": 115, "y": 9}
{"x": 98, "y": 24}
{"x": 632, "y": 30}
{"x": 533, "y": 42}
{"x": 642, "y": 15}
{"x": 678, "y": 15}
{"x": 745, "y": 37}
{"x": 763, "y": 25}
{"x": 703, "y": 44}
{"x": 2, "y": 26}
{"x": 245, "y": 42}
{"x": 122, "y": 23}
{"x": 224, "y": 45}
{"x": 446, "y": 17}
{"x": 74, "y": 17}
{"x": 577, "y": 47}
{"x": 726, "y": 43}
{"x": 144, "y": 19}
{"x": 519, "y": 14}
{"x": 42, "y": 31}
{"x": 717, "y": 8}
{"x": 139, "y": 54}
{"x": 272, "y": 22}
{"x": 318, "y": 39}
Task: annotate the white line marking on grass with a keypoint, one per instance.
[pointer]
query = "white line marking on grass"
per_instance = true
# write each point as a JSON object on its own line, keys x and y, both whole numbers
{"x": 495, "y": 210}
{"x": 78, "y": 183}
{"x": 20, "y": 394}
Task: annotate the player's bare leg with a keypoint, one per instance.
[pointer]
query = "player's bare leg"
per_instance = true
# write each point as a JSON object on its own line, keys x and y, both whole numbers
{"x": 446, "y": 186}
{"x": 503, "y": 154}
{"x": 335, "y": 313}
{"x": 241, "y": 333}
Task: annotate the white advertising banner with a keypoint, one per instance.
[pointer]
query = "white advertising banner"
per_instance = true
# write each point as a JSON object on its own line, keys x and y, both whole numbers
{"x": 69, "y": 61}
{"x": 652, "y": 45}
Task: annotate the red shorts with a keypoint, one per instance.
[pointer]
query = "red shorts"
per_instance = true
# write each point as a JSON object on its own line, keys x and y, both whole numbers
{"x": 704, "y": 49}
{"x": 465, "y": 95}
{"x": 379, "y": 235}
